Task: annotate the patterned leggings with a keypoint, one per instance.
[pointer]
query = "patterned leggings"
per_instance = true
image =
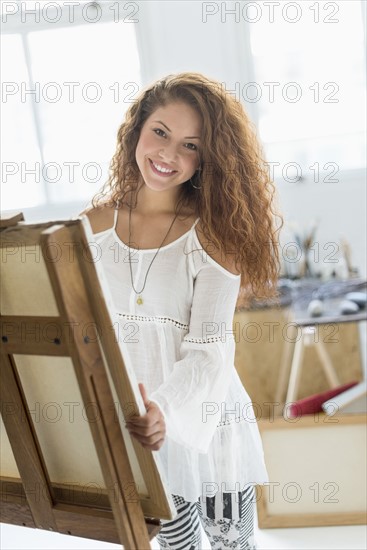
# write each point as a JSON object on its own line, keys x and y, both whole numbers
{"x": 227, "y": 519}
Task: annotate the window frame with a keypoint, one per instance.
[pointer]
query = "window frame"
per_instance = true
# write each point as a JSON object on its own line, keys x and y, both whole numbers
{"x": 243, "y": 44}
{"x": 14, "y": 25}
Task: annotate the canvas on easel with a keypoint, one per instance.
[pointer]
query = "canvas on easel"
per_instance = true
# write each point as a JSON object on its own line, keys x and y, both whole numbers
{"x": 67, "y": 462}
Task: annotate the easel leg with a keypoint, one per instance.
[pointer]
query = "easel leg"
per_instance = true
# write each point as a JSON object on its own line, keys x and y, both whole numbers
{"x": 288, "y": 352}
{"x": 326, "y": 364}
{"x": 295, "y": 374}
{"x": 25, "y": 447}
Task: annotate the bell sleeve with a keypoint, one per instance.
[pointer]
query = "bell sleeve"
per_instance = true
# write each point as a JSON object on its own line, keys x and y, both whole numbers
{"x": 193, "y": 395}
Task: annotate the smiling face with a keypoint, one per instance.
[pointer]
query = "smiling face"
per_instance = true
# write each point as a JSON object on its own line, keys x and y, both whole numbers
{"x": 167, "y": 152}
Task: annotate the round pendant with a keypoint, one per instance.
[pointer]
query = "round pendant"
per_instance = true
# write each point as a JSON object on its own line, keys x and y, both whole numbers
{"x": 139, "y": 300}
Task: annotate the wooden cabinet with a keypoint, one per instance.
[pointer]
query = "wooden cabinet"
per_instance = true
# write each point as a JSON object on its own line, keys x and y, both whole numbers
{"x": 261, "y": 340}
{"x": 316, "y": 464}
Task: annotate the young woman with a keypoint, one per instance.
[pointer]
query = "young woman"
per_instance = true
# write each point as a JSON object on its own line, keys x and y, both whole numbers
{"x": 186, "y": 227}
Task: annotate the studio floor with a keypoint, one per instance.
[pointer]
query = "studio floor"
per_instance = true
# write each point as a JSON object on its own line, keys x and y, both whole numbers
{"x": 351, "y": 537}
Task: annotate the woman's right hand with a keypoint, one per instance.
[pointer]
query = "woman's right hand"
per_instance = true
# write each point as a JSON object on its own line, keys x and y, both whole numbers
{"x": 150, "y": 428}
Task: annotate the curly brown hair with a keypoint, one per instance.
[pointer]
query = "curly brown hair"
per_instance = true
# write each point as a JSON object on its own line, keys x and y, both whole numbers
{"x": 233, "y": 193}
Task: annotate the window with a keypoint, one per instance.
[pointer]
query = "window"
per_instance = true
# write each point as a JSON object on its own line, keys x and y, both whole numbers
{"x": 309, "y": 94}
{"x": 65, "y": 91}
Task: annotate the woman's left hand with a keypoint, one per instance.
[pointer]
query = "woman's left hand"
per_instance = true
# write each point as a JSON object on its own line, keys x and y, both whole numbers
{"x": 149, "y": 429}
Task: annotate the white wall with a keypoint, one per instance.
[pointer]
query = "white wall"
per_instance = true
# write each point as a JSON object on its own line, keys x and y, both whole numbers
{"x": 340, "y": 208}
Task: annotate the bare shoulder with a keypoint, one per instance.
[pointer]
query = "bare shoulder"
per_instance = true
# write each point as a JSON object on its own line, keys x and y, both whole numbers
{"x": 224, "y": 260}
{"x": 100, "y": 218}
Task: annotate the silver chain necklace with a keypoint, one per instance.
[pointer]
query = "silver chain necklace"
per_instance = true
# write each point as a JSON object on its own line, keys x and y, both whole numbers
{"x": 139, "y": 299}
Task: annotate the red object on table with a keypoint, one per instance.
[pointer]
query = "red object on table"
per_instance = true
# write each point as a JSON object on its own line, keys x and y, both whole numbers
{"x": 313, "y": 403}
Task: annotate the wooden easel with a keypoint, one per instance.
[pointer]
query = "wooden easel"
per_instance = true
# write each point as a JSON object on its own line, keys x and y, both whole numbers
{"x": 50, "y": 284}
{"x": 294, "y": 350}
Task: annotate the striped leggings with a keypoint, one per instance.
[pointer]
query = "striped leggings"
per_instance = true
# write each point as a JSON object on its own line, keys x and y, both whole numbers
{"x": 227, "y": 519}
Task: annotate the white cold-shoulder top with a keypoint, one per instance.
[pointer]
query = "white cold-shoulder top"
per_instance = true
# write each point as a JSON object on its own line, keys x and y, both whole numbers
{"x": 180, "y": 344}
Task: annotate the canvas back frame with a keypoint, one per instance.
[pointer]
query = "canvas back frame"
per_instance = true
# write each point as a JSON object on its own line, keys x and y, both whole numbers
{"x": 50, "y": 283}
